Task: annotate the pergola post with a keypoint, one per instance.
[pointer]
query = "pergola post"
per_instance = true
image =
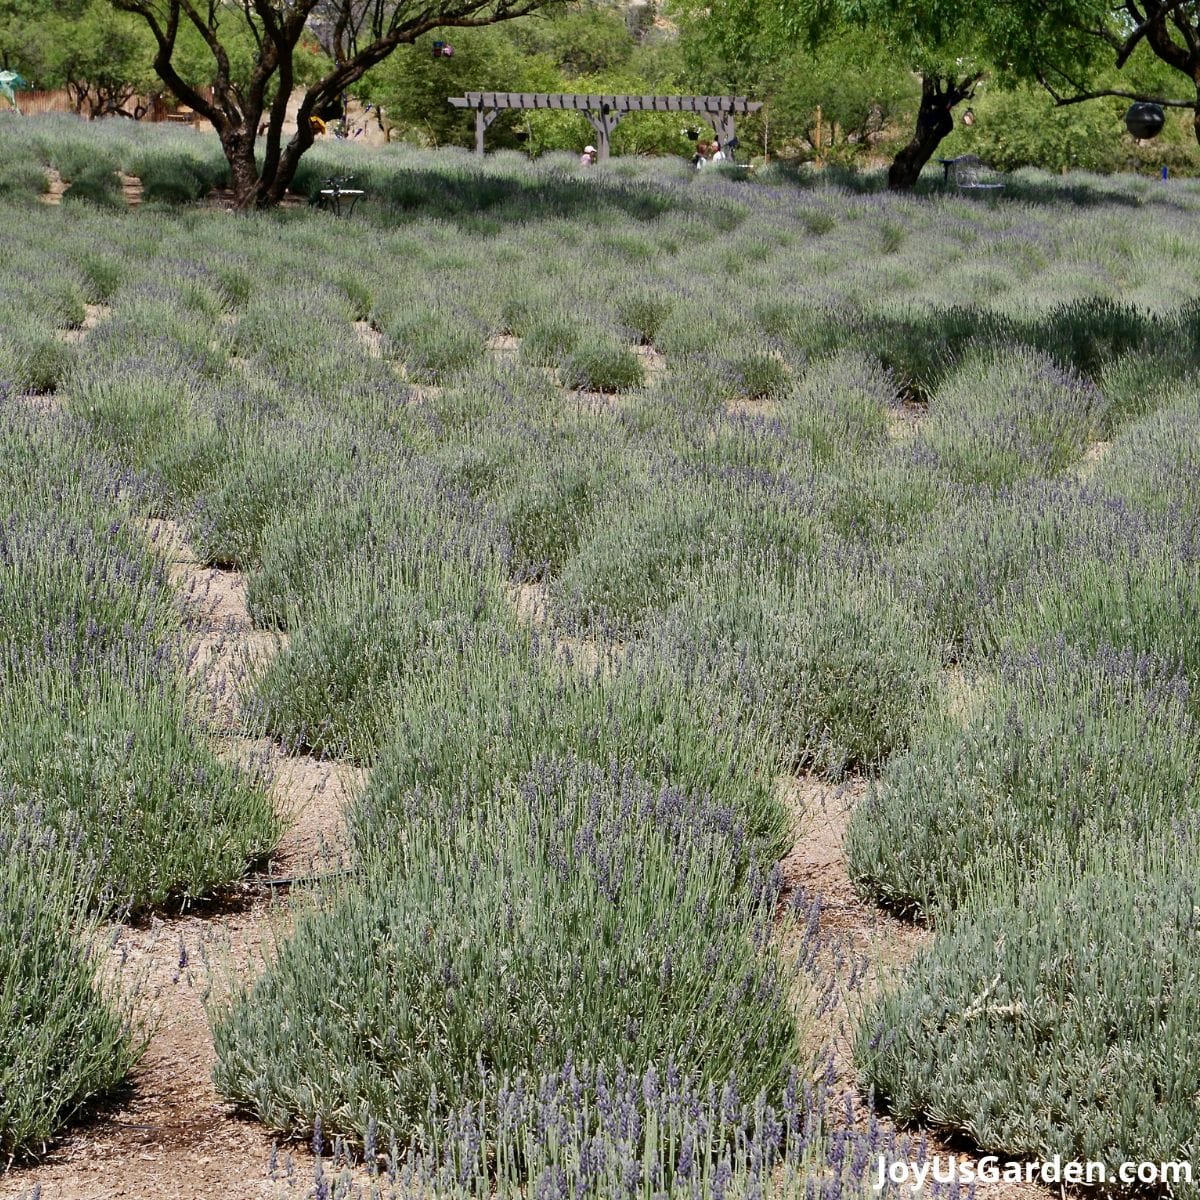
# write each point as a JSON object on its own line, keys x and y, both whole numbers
{"x": 603, "y": 123}
{"x": 724, "y": 127}
{"x": 483, "y": 122}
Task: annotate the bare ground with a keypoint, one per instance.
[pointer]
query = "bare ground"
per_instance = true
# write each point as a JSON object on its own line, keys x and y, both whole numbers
{"x": 1093, "y": 456}
{"x": 55, "y": 192}
{"x": 169, "y": 1135}
{"x": 131, "y": 188}
{"x": 531, "y": 603}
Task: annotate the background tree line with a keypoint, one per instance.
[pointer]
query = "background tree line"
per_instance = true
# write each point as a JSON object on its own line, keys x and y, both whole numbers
{"x": 843, "y": 84}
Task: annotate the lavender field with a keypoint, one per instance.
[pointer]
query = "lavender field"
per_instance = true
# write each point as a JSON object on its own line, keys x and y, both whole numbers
{"x": 591, "y": 682}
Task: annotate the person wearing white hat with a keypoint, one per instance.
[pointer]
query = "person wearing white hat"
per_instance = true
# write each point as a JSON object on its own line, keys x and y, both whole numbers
{"x": 588, "y": 156}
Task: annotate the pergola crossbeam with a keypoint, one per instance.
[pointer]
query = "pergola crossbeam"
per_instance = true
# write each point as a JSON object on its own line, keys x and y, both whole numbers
{"x": 604, "y": 113}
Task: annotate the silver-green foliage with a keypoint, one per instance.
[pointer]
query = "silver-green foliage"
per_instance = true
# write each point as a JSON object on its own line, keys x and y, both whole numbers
{"x": 484, "y": 720}
{"x": 1006, "y": 416}
{"x": 578, "y": 913}
{"x": 97, "y": 735}
{"x": 66, "y": 1036}
{"x": 1062, "y": 753}
{"x": 1058, "y": 1018}
{"x": 831, "y": 668}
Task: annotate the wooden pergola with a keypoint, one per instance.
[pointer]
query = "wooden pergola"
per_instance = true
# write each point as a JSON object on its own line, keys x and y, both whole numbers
{"x": 604, "y": 113}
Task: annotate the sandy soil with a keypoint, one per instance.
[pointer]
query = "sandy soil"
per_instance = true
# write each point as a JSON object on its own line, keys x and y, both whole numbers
{"x": 93, "y": 315}
{"x": 531, "y": 602}
{"x": 652, "y": 362}
{"x": 58, "y": 186}
{"x": 861, "y": 946}
{"x": 169, "y": 1135}
{"x": 904, "y": 419}
{"x": 503, "y": 345}
{"x": 370, "y": 338}
{"x": 39, "y": 402}
{"x": 850, "y": 929}
{"x": 741, "y": 406}
{"x": 131, "y": 188}
{"x": 1093, "y": 456}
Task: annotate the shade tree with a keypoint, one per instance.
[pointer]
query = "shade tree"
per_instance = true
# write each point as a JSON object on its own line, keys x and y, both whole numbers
{"x": 352, "y": 35}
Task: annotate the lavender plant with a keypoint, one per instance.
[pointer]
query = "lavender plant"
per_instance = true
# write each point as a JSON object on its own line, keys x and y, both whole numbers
{"x": 594, "y": 1133}
{"x": 1006, "y": 416}
{"x": 1056, "y": 1018}
{"x": 67, "y": 1036}
{"x": 580, "y": 913}
{"x": 1064, "y": 753}
{"x": 833, "y": 671}
{"x": 468, "y": 729}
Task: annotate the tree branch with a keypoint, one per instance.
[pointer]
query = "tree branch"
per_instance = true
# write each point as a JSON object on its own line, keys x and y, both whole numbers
{"x": 1083, "y": 97}
{"x": 166, "y": 38}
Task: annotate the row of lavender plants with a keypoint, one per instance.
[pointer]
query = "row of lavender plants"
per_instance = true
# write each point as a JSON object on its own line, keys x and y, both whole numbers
{"x": 109, "y": 797}
{"x": 1046, "y": 823}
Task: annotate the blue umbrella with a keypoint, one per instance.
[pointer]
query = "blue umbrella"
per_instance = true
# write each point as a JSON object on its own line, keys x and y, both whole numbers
{"x": 9, "y": 82}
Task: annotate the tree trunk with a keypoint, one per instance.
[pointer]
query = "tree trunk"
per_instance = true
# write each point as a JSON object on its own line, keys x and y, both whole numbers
{"x": 275, "y": 188}
{"x": 935, "y": 121}
{"x": 238, "y": 144}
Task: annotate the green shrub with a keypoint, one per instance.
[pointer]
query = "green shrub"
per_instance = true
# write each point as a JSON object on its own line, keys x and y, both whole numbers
{"x": 961, "y": 564}
{"x": 602, "y": 367}
{"x": 1006, "y": 416}
{"x": 546, "y": 511}
{"x": 1058, "y": 1020}
{"x": 835, "y": 674}
{"x": 550, "y": 340}
{"x": 433, "y": 345}
{"x": 262, "y": 477}
{"x": 759, "y": 376}
{"x": 369, "y": 635}
{"x": 22, "y": 181}
{"x": 573, "y": 914}
{"x": 95, "y": 184}
{"x": 840, "y": 406}
{"x": 1136, "y": 384}
{"x": 66, "y": 1037}
{"x": 32, "y": 357}
{"x": 879, "y": 501}
{"x": 1063, "y": 753}
{"x": 635, "y": 553}
{"x": 115, "y": 767}
{"x": 97, "y": 720}
{"x": 921, "y": 345}
{"x": 483, "y": 720}
{"x": 174, "y": 177}
{"x": 1084, "y": 335}
{"x": 643, "y": 315}
{"x": 1153, "y": 464}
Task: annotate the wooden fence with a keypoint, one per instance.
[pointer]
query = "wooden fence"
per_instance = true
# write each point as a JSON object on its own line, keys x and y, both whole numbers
{"x": 33, "y": 103}
{"x": 155, "y": 108}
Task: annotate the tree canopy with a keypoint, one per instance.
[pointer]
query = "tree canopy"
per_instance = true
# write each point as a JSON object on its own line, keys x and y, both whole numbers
{"x": 354, "y": 36}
